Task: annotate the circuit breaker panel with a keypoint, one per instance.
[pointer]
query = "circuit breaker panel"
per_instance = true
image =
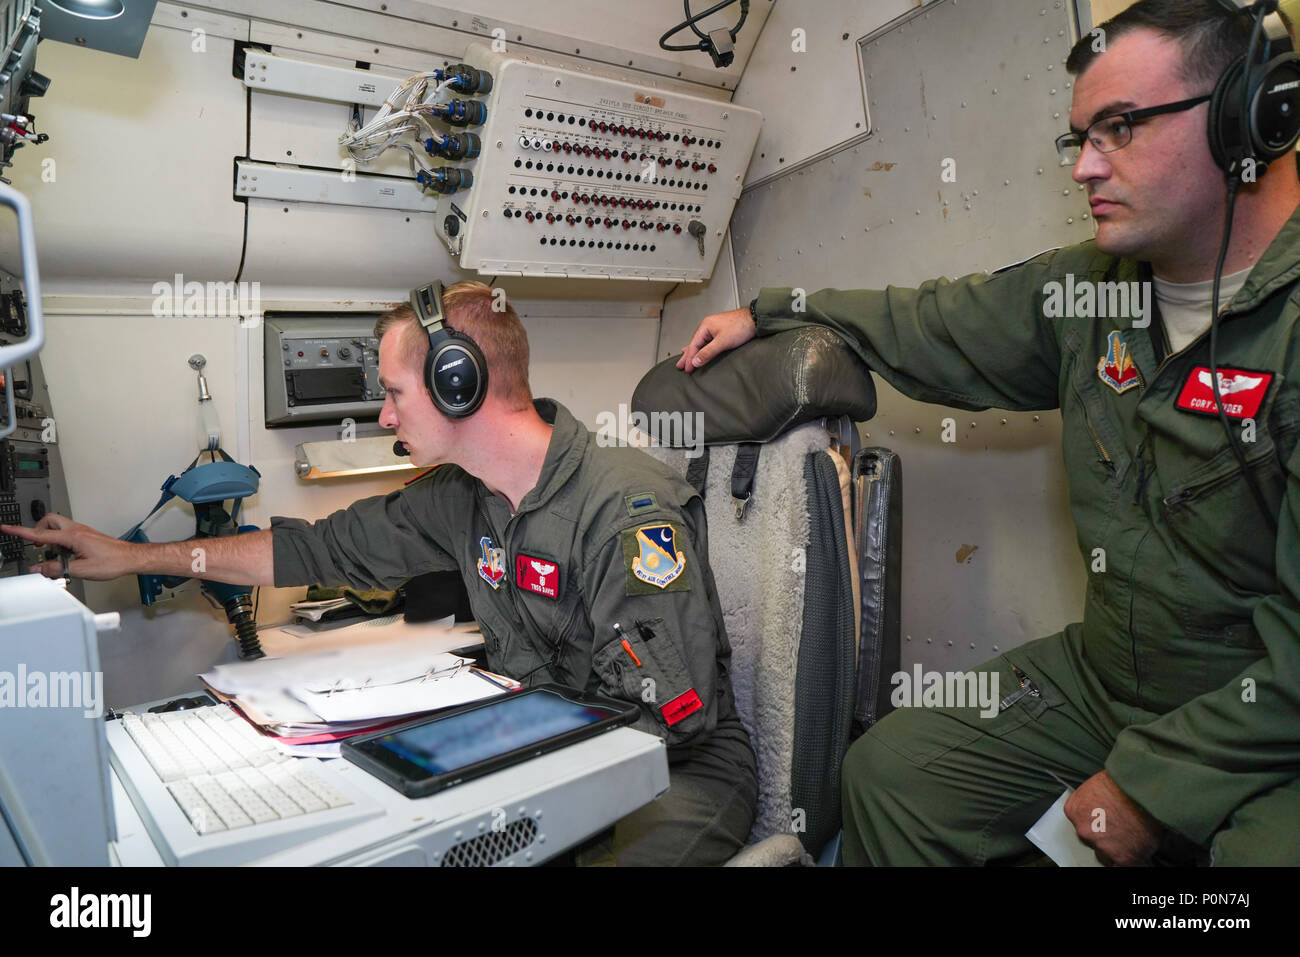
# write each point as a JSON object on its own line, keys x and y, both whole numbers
{"x": 585, "y": 176}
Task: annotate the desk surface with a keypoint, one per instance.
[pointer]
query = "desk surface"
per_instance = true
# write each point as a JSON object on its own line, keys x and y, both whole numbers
{"x": 569, "y": 795}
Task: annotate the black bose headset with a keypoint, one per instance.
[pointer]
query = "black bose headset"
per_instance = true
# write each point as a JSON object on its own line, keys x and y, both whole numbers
{"x": 455, "y": 372}
{"x": 1254, "y": 119}
{"x": 1255, "y": 107}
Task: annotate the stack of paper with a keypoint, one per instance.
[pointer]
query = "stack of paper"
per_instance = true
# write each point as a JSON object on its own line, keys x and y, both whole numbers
{"x": 315, "y": 610}
{"x": 319, "y": 697}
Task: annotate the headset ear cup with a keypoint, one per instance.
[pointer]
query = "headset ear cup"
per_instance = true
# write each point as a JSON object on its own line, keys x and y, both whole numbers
{"x": 430, "y": 358}
{"x": 1226, "y": 146}
{"x": 455, "y": 373}
{"x": 1274, "y": 120}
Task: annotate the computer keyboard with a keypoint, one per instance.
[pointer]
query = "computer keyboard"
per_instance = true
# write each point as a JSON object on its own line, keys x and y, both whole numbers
{"x": 212, "y": 790}
{"x": 209, "y": 789}
{"x": 223, "y": 774}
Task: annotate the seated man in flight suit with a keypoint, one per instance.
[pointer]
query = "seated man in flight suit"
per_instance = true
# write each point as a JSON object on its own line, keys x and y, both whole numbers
{"x": 557, "y": 539}
{"x": 1174, "y": 706}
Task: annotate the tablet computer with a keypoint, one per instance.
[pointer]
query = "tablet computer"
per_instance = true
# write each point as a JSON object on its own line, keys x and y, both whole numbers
{"x": 435, "y": 753}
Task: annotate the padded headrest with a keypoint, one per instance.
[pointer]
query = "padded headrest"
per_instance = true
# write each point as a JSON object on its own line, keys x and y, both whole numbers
{"x": 764, "y": 388}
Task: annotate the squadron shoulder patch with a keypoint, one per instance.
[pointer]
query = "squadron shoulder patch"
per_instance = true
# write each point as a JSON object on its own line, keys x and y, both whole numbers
{"x": 1116, "y": 367}
{"x": 491, "y": 563}
{"x": 652, "y": 560}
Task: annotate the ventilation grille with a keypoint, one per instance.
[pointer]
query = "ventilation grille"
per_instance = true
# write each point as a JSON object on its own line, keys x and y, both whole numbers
{"x": 492, "y": 847}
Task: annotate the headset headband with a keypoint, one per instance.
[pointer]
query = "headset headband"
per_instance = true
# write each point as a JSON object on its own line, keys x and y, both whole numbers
{"x": 426, "y": 300}
{"x": 1277, "y": 22}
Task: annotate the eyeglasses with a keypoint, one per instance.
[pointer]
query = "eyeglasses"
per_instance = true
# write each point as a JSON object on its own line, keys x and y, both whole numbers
{"x": 1111, "y": 133}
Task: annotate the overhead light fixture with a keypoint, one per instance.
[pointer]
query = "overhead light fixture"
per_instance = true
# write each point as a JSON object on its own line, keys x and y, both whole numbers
{"x": 90, "y": 9}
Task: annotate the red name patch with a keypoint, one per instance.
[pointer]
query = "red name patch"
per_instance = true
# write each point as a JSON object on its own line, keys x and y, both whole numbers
{"x": 1242, "y": 392}
{"x": 683, "y": 706}
{"x": 540, "y": 576}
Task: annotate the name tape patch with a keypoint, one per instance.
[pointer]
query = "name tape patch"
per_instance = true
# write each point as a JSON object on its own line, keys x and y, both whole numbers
{"x": 541, "y": 576}
{"x": 1242, "y": 391}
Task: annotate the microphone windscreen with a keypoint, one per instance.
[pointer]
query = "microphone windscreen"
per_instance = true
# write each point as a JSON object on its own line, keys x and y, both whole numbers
{"x": 400, "y": 449}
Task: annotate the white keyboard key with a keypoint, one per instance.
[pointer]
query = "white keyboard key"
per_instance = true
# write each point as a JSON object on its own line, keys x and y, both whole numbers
{"x": 224, "y": 774}
{"x": 267, "y": 790}
{"x": 167, "y": 769}
{"x": 230, "y": 813}
{"x": 224, "y": 752}
{"x": 253, "y": 806}
{"x": 283, "y": 805}
{"x": 164, "y": 765}
{"x": 233, "y": 817}
{"x": 316, "y": 786}
{"x": 204, "y": 819}
{"x": 301, "y": 796}
{"x": 191, "y": 736}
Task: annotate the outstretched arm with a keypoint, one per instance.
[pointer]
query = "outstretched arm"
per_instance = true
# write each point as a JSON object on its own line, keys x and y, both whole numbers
{"x": 236, "y": 559}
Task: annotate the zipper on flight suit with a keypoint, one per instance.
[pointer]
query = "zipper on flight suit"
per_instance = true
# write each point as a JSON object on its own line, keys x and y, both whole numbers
{"x": 1105, "y": 459}
{"x": 562, "y": 633}
{"x": 1105, "y": 456}
{"x": 1027, "y": 687}
{"x": 1195, "y": 491}
{"x": 516, "y": 624}
{"x": 548, "y": 661}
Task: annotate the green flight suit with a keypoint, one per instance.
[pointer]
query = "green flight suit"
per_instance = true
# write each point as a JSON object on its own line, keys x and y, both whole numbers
{"x": 1183, "y": 679}
{"x": 607, "y": 535}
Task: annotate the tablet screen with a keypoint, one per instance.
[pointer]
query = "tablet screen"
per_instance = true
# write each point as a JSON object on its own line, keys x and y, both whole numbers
{"x": 456, "y": 742}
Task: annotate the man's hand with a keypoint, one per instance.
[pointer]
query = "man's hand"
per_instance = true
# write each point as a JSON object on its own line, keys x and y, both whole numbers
{"x": 1125, "y": 835}
{"x": 717, "y": 334}
{"x": 94, "y": 555}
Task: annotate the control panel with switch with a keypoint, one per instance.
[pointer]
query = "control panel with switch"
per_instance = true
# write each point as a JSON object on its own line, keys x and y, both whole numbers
{"x": 320, "y": 368}
{"x": 582, "y": 175}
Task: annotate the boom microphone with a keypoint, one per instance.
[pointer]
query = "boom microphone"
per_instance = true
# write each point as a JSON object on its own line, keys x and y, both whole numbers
{"x": 400, "y": 449}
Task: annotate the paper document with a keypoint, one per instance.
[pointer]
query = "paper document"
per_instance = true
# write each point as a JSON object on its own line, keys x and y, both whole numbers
{"x": 380, "y": 663}
{"x": 314, "y": 610}
{"x": 354, "y": 678}
{"x": 1054, "y": 835}
{"x": 410, "y": 697}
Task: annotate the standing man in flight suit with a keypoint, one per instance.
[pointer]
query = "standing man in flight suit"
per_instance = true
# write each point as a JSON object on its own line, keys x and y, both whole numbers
{"x": 1174, "y": 707}
{"x": 557, "y": 539}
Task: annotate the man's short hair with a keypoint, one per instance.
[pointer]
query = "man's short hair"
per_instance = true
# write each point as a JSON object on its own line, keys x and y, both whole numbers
{"x": 1211, "y": 37}
{"x": 486, "y": 317}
